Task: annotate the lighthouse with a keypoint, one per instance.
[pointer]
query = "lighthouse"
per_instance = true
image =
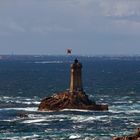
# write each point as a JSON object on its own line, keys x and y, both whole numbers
{"x": 75, "y": 98}
{"x": 76, "y": 77}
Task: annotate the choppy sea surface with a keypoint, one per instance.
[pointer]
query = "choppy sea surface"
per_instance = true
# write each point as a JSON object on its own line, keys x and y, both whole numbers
{"x": 24, "y": 81}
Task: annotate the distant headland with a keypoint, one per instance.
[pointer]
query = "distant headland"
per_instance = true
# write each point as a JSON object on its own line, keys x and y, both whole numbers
{"x": 74, "y": 98}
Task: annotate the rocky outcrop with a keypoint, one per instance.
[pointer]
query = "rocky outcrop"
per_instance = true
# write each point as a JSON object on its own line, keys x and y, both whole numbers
{"x": 68, "y": 100}
{"x": 135, "y": 136}
{"x": 75, "y": 98}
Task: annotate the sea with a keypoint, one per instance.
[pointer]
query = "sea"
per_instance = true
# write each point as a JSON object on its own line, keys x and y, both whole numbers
{"x": 26, "y": 80}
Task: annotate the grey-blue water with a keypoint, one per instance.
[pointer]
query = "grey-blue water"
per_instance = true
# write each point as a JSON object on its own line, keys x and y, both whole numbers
{"x": 25, "y": 80}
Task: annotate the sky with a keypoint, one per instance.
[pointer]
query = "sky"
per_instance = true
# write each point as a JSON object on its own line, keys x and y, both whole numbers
{"x": 88, "y": 27}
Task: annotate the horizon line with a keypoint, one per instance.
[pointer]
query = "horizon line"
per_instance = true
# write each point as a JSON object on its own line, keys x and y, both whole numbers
{"x": 80, "y": 55}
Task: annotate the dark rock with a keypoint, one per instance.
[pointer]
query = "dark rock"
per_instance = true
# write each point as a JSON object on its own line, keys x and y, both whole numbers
{"x": 135, "y": 136}
{"x": 67, "y": 100}
{"x": 23, "y": 115}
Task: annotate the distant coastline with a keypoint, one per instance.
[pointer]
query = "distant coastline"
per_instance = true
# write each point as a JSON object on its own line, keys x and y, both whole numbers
{"x": 70, "y": 57}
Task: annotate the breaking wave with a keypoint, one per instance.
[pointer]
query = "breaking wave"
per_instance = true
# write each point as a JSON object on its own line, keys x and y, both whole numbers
{"x": 9, "y": 101}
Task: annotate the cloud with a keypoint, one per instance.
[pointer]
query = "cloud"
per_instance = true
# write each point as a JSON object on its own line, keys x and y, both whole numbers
{"x": 47, "y": 29}
{"x": 127, "y": 27}
{"x": 70, "y": 22}
{"x": 120, "y": 8}
{"x": 16, "y": 27}
{"x": 9, "y": 27}
{"x": 98, "y": 16}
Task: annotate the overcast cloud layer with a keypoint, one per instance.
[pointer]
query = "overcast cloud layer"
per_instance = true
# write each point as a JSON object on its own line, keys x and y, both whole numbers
{"x": 89, "y": 27}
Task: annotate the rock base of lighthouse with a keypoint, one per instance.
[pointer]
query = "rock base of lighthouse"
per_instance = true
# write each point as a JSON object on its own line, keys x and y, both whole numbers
{"x": 68, "y": 100}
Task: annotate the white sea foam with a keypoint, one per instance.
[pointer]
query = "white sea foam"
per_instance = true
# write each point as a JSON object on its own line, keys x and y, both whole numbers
{"x": 22, "y": 109}
{"x": 136, "y": 124}
{"x": 115, "y": 111}
{"x": 80, "y": 118}
{"x": 20, "y": 100}
{"x": 4, "y": 97}
{"x": 36, "y": 118}
{"x": 41, "y": 124}
{"x": 78, "y": 110}
{"x": 11, "y": 120}
{"x": 121, "y": 102}
{"x": 83, "y": 119}
{"x": 133, "y": 111}
{"x": 27, "y": 102}
{"x": 30, "y": 109}
{"x": 34, "y": 121}
{"x": 74, "y": 136}
{"x": 77, "y": 126}
{"x": 23, "y": 138}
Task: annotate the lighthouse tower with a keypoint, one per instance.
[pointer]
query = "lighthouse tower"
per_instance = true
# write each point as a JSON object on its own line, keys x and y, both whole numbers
{"x": 76, "y": 77}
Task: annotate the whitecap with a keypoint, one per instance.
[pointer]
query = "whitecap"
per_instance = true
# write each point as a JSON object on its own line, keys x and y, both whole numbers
{"x": 34, "y": 109}
{"x": 136, "y": 124}
{"x": 41, "y": 124}
{"x": 33, "y": 118}
{"x": 30, "y": 137}
{"x": 11, "y": 120}
{"x": 49, "y": 129}
{"x": 5, "y": 97}
{"x": 74, "y": 136}
{"x": 130, "y": 102}
{"x": 118, "y": 117}
{"x": 81, "y": 118}
{"x": 115, "y": 111}
{"x": 121, "y": 102}
{"x": 36, "y": 102}
{"x": 132, "y": 111}
{"x": 78, "y": 110}
{"x": 77, "y": 126}
{"x": 20, "y": 100}
{"x": 23, "y": 138}
{"x": 28, "y": 102}
{"x": 34, "y": 121}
